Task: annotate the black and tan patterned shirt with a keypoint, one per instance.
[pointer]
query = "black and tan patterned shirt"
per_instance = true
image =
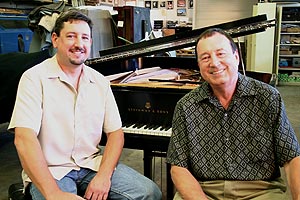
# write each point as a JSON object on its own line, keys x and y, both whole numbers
{"x": 248, "y": 141}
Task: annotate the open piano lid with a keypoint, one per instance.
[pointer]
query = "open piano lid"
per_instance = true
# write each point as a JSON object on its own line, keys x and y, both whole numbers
{"x": 236, "y": 28}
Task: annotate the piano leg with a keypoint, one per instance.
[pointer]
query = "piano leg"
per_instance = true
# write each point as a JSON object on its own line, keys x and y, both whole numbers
{"x": 148, "y": 157}
{"x": 170, "y": 188}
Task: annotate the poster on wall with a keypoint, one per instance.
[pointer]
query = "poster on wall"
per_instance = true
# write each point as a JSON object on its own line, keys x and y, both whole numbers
{"x": 190, "y": 4}
{"x": 170, "y": 5}
{"x": 162, "y": 4}
{"x": 181, "y": 12}
{"x": 154, "y": 4}
{"x": 130, "y": 2}
{"x": 108, "y": 2}
{"x": 181, "y": 3}
{"x": 147, "y": 4}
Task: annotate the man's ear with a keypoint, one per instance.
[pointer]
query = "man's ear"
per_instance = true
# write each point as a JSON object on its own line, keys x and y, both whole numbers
{"x": 54, "y": 38}
{"x": 237, "y": 56}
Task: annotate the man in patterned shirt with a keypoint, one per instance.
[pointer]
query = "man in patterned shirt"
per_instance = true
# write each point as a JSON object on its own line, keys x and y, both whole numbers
{"x": 231, "y": 135}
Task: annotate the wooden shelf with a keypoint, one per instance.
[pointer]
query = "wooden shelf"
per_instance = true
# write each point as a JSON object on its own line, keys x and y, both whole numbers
{"x": 289, "y": 68}
{"x": 290, "y": 55}
{"x": 290, "y": 22}
{"x": 283, "y": 83}
{"x": 290, "y": 33}
{"x": 291, "y": 44}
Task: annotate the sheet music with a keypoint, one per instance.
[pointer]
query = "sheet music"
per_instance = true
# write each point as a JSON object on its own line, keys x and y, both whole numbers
{"x": 162, "y": 74}
{"x": 118, "y": 76}
{"x": 139, "y": 72}
{"x": 143, "y": 75}
{"x": 157, "y": 76}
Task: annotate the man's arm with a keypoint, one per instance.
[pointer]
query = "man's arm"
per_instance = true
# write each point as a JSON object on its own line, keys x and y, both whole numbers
{"x": 292, "y": 170}
{"x": 35, "y": 166}
{"x": 185, "y": 183}
{"x": 100, "y": 185}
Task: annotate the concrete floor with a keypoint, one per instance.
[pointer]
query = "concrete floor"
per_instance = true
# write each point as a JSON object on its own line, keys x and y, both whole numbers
{"x": 10, "y": 167}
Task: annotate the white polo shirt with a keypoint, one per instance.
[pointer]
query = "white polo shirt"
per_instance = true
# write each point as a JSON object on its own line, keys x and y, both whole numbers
{"x": 68, "y": 123}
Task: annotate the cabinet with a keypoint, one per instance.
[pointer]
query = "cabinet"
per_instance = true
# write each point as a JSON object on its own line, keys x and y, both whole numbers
{"x": 261, "y": 43}
{"x": 288, "y": 44}
{"x": 133, "y": 22}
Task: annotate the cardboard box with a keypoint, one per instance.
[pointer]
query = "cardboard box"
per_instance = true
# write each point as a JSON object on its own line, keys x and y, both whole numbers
{"x": 293, "y": 29}
{"x": 285, "y": 52}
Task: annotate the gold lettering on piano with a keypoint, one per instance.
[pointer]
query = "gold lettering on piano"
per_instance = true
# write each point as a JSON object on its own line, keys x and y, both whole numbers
{"x": 147, "y": 105}
{"x": 148, "y": 109}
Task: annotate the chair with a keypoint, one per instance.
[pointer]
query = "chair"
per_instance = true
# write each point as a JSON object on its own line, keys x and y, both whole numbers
{"x": 12, "y": 66}
{"x": 15, "y": 192}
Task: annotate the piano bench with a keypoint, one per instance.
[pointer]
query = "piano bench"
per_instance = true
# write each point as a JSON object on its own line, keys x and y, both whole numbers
{"x": 15, "y": 192}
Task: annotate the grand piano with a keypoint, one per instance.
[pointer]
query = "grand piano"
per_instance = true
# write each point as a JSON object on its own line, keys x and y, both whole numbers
{"x": 146, "y": 109}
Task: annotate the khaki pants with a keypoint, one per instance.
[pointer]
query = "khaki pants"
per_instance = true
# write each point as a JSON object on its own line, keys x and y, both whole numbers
{"x": 242, "y": 190}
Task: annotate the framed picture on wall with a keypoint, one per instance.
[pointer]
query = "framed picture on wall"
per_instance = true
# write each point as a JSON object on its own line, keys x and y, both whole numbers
{"x": 170, "y": 5}
{"x": 181, "y": 3}
{"x": 191, "y": 4}
{"x": 154, "y": 4}
{"x": 162, "y": 4}
{"x": 147, "y": 4}
{"x": 181, "y": 12}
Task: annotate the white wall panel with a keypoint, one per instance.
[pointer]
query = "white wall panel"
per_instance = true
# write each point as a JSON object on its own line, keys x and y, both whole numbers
{"x": 208, "y": 12}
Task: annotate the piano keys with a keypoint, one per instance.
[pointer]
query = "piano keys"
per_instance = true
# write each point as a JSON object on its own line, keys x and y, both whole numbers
{"x": 148, "y": 129}
{"x": 148, "y": 110}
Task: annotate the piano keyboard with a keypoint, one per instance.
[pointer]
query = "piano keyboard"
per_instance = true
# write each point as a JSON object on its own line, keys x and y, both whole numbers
{"x": 143, "y": 129}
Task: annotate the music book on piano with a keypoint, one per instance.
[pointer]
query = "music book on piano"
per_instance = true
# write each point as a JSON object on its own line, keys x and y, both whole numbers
{"x": 157, "y": 75}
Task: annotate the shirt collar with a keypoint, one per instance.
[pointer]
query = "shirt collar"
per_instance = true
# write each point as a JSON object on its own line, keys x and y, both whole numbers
{"x": 54, "y": 71}
{"x": 245, "y": 87}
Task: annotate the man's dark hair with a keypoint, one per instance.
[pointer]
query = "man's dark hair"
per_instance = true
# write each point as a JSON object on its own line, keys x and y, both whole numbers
{"x": 212, "y": 31}
{"x": 69, "y": 16}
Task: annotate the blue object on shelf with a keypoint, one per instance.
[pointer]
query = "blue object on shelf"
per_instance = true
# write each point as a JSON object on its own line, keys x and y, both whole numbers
{"x": 283, "y": 63}
{"x": 12, "y": 26}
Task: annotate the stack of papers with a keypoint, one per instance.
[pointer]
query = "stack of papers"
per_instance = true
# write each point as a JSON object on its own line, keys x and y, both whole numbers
{"x": 144, "y": 75}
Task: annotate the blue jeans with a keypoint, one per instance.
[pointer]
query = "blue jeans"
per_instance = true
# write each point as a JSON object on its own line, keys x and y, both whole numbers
{"x": 126, "y": 184}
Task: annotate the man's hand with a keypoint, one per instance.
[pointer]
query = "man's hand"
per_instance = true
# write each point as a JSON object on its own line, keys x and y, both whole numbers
{"x": 98, "y": 188}
{"x": 293, "y": 176}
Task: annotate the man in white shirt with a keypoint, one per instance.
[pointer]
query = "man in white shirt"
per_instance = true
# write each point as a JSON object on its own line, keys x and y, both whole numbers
{"x": 61, "y": 110}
